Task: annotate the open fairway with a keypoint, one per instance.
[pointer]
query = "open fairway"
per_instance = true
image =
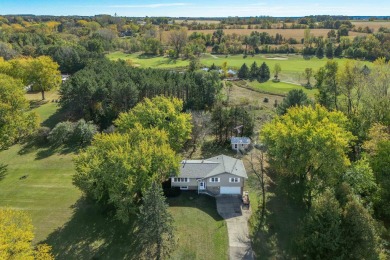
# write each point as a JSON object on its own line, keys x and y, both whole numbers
{"x": 292, "y": 65}
{"x": 145, "y": 61}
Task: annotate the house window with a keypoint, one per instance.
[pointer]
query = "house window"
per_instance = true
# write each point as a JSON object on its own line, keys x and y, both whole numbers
{"x": 214, "y": 179}
{"x": 184, "y": 187}
{"x": 234, "y": 179}
{"x": 181, "y": 179}
{"x": 235, "y": 146}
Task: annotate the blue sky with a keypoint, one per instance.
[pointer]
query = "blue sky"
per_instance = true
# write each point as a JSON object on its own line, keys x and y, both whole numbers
{"x": 196, "y": 8}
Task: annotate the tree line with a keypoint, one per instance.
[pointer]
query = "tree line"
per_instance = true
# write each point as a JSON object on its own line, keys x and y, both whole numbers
{"x": 331, "y": 159}
{"x": 102, "y": 90}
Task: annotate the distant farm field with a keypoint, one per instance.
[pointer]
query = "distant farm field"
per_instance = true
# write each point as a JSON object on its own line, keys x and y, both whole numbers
{"x": 189, "y": 21}
{"x": 297, "y": 34}
{"x": 371, "y": 24}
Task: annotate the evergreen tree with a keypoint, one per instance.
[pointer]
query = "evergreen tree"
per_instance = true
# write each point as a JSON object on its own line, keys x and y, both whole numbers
{"x": 213, "y": 67}
{"x": 294, "y": 97}
{"x": 264, "y": 73}
{"x": 320, "y": 52}
{"x": 338, "y": 51}
{"x": 243, "y": 73}
{"x": 155, "y": 224}
{"x": 254, "y": 71}
{"x": 329, "y": 50}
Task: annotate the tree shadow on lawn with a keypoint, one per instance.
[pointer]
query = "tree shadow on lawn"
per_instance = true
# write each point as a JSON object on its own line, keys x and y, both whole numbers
{"x": 37, "y": 103}
{"x": 274, "y": 239}
{"x": 92, "y": 234}
{"x": 50, "y": 150}
{"x": 192, "y": 199}
{"x": 59, "y": 116}
{"x": 145, "y": 56}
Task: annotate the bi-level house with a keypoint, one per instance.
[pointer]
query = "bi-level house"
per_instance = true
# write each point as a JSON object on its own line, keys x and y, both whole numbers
{"x": 217, "y": 175}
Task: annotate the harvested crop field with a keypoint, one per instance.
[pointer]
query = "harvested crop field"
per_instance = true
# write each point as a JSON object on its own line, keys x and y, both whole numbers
{"x": 373, "y": 25}
{"x": 189, "y": 21}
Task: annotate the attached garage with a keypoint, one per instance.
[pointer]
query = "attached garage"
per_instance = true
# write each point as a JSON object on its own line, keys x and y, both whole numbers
{"x": 230, "y": 190}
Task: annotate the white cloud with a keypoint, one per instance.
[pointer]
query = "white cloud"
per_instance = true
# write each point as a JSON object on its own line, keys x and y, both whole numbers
{"x": 150, "y": 5}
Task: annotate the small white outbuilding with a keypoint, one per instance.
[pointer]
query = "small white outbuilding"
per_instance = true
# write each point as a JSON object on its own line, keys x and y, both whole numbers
{"x": 240, "y": 142}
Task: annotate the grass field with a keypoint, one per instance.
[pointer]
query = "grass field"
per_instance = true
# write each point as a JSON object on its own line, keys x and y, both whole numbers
{"x": 39, "y": 181}
{"x": 278, "y": 88}
{"x": 139, "y": 60}
{"x": 292, "y": 65}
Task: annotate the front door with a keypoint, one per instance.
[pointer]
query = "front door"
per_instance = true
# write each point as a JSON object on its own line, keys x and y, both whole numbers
{"x": 202, "y": 185}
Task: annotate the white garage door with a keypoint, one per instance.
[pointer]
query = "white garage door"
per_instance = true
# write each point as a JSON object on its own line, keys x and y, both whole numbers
{"x": 230, "y": 190}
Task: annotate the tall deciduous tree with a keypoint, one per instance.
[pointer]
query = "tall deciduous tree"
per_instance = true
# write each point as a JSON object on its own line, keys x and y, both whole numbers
{"x": 380, "y": 163}
{"x": 44, "y": 74}
{"x": 351, "y": 81}
{"x": 178, "y": 39}
{"x": 16, "y": 235}
{"x": 327, "y": 85}
{"x": 116, "y": 168}
{"x": 16, "y": 121}
{"x": 277, "y": 70}
{"x": 308, "y": 73}
{"x": 307, "y": 147}
{"x": 155, "y": 224}
{"x": 160, "y": 112}
{"x": 376, "y": 96}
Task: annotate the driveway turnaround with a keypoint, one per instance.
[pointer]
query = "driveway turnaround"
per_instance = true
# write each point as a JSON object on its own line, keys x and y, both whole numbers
{"x": 229, "y": 207}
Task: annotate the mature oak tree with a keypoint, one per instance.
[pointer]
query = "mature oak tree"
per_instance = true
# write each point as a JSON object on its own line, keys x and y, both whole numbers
{"x": 162, "y": 113}
{"x": 16, "y": 121}
{"x": 16, "y": 235}
{"x": 308, "y": 148}
{"x": 116, "y": 168}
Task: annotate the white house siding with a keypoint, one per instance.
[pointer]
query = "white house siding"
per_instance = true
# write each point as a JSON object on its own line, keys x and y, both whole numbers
{"x": 240, "y": 146}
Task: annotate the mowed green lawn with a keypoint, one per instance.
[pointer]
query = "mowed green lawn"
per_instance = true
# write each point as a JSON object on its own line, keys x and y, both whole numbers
{"x": 144, "y": 61}
{"x": 279, "y": 88}
{"x": 39, "y": 181}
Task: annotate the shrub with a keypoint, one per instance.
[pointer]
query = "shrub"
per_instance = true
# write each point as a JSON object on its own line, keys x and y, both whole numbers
{"x": 265, "y": 100}
{"x": 83, "y": 132}
{"x": 41, "y": 135}
{"x": 61, "y": 133}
